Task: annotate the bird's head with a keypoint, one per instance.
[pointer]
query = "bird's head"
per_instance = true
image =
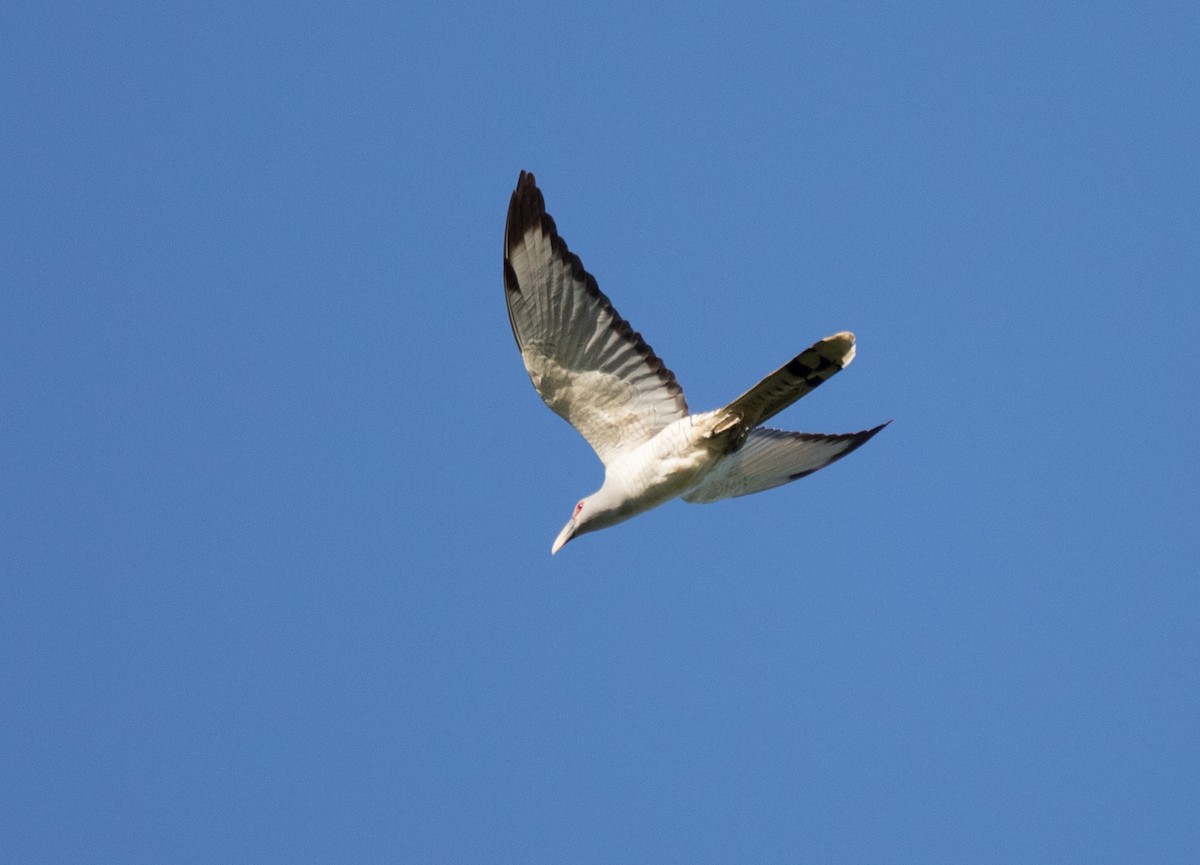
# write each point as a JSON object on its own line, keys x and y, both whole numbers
{"x": 579, "y": 518}
{"x": 603, "y": 508}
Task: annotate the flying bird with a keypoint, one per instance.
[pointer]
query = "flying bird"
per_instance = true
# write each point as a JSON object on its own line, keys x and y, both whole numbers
{"x": 599, "y": 375}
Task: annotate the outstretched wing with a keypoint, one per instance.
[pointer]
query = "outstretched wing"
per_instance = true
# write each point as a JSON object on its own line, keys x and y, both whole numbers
{"x": 587, "y": 363}
{"x": 772, "y": 457}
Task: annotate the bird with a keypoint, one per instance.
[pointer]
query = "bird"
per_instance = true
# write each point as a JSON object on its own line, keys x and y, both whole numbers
{"x": 597, "y": 373}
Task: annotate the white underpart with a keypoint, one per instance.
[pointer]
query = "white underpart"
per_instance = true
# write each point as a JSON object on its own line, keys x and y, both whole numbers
{"x": 669, "y": 465}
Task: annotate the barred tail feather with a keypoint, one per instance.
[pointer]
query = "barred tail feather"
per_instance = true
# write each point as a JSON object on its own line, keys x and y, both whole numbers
{"x": 800, "y": 376}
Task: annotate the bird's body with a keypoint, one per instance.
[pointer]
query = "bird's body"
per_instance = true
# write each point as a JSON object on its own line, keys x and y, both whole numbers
{"x": 671, "y": 464}
{"x": 595, "y": 371}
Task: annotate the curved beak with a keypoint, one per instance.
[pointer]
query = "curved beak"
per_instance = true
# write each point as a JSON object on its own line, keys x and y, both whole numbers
{"x": 565, "y": 535}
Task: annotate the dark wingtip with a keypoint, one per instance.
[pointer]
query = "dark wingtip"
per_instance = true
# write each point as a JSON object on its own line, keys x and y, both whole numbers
{"x": 859, "y": 439}
{"x": 525, "y": 207}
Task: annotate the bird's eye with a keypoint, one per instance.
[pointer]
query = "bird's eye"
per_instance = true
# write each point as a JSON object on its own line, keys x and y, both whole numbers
{"x": 578, "y": 508}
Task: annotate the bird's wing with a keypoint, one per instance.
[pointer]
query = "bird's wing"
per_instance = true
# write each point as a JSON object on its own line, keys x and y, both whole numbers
{"x": 587, "y": 363}
{"x": 772, "y": 457}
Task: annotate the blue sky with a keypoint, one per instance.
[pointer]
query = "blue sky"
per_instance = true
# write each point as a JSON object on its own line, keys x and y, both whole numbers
{"x": 279, "y": 497}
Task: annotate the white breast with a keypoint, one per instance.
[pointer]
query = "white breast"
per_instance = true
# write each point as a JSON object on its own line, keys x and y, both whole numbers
{"x": 669, "y": 465}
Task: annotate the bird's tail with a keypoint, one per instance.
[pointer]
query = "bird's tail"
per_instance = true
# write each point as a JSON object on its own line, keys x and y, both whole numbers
{"x": 801, "y": 375}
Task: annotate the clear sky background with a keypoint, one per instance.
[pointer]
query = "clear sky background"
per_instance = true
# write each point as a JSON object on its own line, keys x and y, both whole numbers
{"x": 277, "y": 497}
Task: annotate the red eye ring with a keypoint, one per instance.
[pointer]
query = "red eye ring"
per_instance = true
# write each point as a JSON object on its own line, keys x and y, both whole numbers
{"x": 578, "y": 508}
